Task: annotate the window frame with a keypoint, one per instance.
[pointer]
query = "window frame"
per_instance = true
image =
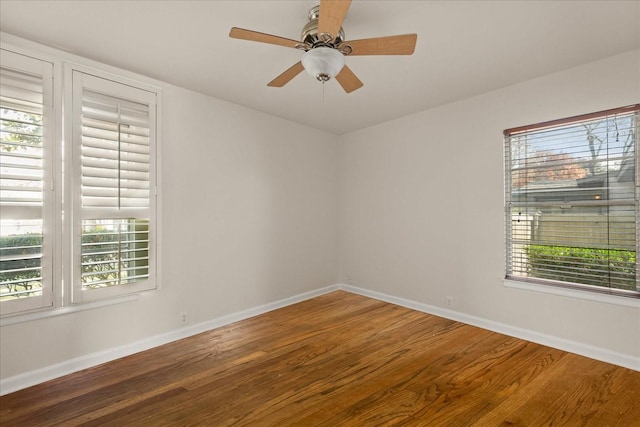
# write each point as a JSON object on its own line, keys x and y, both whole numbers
{"x": 59, "y": 185}
{"x": 548, "y": 285}
{"x": 41, "y": 67}
{"x": 79, "y": 78}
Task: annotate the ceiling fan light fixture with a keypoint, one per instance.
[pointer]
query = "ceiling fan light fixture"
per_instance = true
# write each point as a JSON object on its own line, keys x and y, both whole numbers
{"x": 325, "y": 45}
{"x": 323, "y": 63}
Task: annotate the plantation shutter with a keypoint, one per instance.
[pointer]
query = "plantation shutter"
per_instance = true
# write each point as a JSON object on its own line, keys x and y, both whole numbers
{"x": 114, "y": 147}
{"x": 572, "y": 209}
{"x": 22, "y": 149}
{"x": 25, "y": 183}
{"x": 115, "y": 152}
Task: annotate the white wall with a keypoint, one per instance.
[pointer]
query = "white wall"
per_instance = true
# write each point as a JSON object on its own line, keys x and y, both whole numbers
{"x": 421, "y": 206}
{"x": 250, "y": 205}
{"x": 248, "y": 217}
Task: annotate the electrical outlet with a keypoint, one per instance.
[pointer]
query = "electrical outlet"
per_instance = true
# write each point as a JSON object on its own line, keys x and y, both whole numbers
{"x": 448, "y": 301}
{"x": 184, "y": 318}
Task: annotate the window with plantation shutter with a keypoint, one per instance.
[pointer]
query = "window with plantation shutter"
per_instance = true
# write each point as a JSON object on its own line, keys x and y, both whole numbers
{"x": 26, "y": 163}
{"x": 93, "y": 134}
{"x": 113, "y": 151}
{"x": 572, "y": 212}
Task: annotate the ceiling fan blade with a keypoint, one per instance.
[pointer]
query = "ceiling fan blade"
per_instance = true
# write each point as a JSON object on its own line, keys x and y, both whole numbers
{"x": 348, "y": 80}
{"x": 404, "y": 44}
{"x": 241, "y": 33}
{"x": 332, "y": 13}
{"x": 287, "y": 76}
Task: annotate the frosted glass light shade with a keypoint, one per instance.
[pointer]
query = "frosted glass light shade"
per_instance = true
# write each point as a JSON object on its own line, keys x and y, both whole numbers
{"x": 323, "y": 62}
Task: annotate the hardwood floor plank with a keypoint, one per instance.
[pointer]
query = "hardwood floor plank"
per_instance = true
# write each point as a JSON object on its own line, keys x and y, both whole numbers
{"x": 576, "y": 390}
{"x": 338, "y": 360}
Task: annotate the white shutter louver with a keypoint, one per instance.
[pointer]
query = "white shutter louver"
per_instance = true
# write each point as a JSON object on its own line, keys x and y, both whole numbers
{"x": 572, "y": 202}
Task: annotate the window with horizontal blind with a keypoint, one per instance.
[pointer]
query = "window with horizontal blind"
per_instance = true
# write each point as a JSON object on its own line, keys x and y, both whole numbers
{"x": 26, "y": 196}
{"x": 114, "y": 183}
{"x": 572, "y": 210}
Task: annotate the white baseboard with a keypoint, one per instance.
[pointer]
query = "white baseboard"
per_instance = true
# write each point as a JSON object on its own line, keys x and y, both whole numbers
{"x": 27, "y": 379}
{"x": 602, "y": 354}
{"x": 47, "y": 373}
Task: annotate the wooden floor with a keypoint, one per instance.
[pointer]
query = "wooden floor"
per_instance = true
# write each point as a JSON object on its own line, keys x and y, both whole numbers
{"x": 338, "y": 360}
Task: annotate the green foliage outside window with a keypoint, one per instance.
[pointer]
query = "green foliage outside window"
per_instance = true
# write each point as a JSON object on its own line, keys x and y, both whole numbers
{"x": 100, "y": 256}
{"x": 21, "y": 260}
{"x": 115, "y": 254}
{"x": 588, "y": 266}
{"x": 20, "y": 265}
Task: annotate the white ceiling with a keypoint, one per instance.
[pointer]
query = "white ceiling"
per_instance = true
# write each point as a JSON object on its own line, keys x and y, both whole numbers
{"x": 464, "y": 48}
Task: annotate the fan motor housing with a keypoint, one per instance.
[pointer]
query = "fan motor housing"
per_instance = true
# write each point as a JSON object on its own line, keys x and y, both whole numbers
{"x": 310, "y": 32}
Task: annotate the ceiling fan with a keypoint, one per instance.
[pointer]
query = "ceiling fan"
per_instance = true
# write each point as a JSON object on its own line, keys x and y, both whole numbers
{"x": 325, "y": 47}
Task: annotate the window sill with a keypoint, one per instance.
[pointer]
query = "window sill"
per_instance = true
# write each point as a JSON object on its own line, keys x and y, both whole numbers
{"x": 36, "y": 315}
{"x": 571, "y": 293}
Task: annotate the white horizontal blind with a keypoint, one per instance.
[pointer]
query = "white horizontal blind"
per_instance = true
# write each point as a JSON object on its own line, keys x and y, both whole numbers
{"x": 25, "y": 256}
{"x": 572, "y": 191}
{"x": 114, "y": 143}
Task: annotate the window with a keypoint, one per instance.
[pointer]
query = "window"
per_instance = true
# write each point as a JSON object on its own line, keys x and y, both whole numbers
{"x": 113, "y": 134}
{"x": 572, "y": 191}
{"x": 26, "y": 199}
{"x": 102, "y": 244}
